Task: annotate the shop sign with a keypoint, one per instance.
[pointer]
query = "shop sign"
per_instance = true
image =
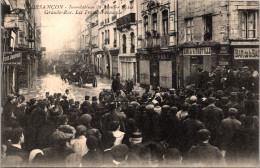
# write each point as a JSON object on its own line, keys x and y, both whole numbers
{"x": 197, "y": 51}
{"x": 13, "y": 58}
{"x": 246, "y": 53}
{"x": 11, "y": 21}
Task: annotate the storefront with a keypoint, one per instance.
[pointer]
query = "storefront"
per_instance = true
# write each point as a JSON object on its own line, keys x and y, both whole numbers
{"x": 245, "y": 56}
{"x": 158, "y": 69}
{"x": 198, "y": 57}
{"x": 127, "y": 66}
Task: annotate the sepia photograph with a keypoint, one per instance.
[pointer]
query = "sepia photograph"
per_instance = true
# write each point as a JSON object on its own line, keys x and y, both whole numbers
{"x": 129, "y": 83}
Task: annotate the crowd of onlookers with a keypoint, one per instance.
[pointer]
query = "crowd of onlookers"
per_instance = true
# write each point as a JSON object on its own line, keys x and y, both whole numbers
{"x": 203, "y": 125}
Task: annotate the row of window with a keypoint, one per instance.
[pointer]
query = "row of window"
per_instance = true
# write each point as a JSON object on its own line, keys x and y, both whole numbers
{"x": 165, "y": 23}
{"x": 132, "y": 40}
{"x": 248, "y": 26}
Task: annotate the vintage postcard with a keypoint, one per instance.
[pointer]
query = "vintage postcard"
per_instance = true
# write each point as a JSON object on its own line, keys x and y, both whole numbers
{"x": 130, "y": 83}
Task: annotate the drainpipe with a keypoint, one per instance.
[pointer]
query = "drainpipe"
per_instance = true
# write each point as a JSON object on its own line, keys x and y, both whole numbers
{"x": 177, "y": 45}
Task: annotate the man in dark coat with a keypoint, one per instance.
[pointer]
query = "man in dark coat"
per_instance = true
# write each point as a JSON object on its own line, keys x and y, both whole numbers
{"x": 228, "y": 128}
{"x": 85, "y": 106}
{"x": 56, "y": 155}
{"x": 190, "y": 127}
{"x": 113, "y": 115}
{"x": 65, "y": 104}
{"x": 116, "y": 84}
{"x": 94, "y": 157}
{"x": 203, "y": 78}
{"x": 212, "y": 118}
{"x": 204, "y": 154}
{"x": 17, "y": 139}
{"x": 8, "y": 110}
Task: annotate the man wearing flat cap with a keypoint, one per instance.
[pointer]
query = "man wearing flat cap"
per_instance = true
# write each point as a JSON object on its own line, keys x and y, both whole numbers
{"x": 119, "y": 153}
{"x": 85, "y": 106}
{"x": 204, "y": 154}
{"x": 212, "y": 117}
{"x": 56, "y": 155}
{"x": 228, "y": 128}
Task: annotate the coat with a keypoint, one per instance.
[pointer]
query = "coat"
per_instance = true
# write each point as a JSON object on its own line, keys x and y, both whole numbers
{"x": 14, "y": 151}
{"x": 190, "y": 127}
{"x": 56, "y": 156}
{"x": 227, "y": 130}
{"x": 205, "y": 154}
{"x": 92, "y": 159}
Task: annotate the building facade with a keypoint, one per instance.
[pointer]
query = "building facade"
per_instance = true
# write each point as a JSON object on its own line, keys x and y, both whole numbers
{"x": 217, "y": 33}
{"x": 21, "y": 46}
{"x": 126, "y": 26}
{"x": 157, "y": 56}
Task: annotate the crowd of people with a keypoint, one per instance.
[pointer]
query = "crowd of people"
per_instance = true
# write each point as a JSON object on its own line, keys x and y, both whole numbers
{"x": 206, "y": 126}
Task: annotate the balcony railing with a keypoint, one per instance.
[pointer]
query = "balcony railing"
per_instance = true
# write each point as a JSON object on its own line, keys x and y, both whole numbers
{"x": 125, "y": 20}
{"x": 165, "y": 41}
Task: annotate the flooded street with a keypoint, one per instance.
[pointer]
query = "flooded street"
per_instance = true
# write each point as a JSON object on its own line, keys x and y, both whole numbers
{"x": 52, "y": 83}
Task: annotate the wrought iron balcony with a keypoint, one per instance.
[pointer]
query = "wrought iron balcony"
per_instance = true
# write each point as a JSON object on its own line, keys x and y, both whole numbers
{"x": 126, "y": 20}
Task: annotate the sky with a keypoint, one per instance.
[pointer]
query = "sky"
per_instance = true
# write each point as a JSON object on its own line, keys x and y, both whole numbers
{"x": 59, "y": 28}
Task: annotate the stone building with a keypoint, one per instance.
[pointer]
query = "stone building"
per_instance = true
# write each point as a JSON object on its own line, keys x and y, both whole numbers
{"x": 157, "y": 43}
{"x": 216, "y": 33}
{"x": 21, "y": 46}
{"x": 127, "y": 28}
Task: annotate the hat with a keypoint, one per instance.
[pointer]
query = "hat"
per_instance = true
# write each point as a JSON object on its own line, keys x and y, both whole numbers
{"x": 232, "y": 111}
{"x": 87, "y": 97}
{"x": 118, "y": 74}
{"x": 81, "y": 129}
{"x": 172, "y": 154}
{"x": 166, "y": 107}
{"x": 85, "y": 119}
{"x": 94, "y": 98}
{"x": 193, "y": 98}
{"x": 155, "y": 102}
{"x": 55, "y": 112}
{"x": 233, "y": 94}
{"x": 64, "y": 97}
{"x": 67, "y": 129}
{"x": 119, "y": 152}
{"x": 245, "y": 67}
{"x": 60, "y": 137}
{"x": 149, "y": 106}
{"x": 203, "y": 134}
{"x": 136, "y": 134}
{"x": 211, "y": 100}
{"x": 220, "y": 92}
{"x": 158, "y": 110}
